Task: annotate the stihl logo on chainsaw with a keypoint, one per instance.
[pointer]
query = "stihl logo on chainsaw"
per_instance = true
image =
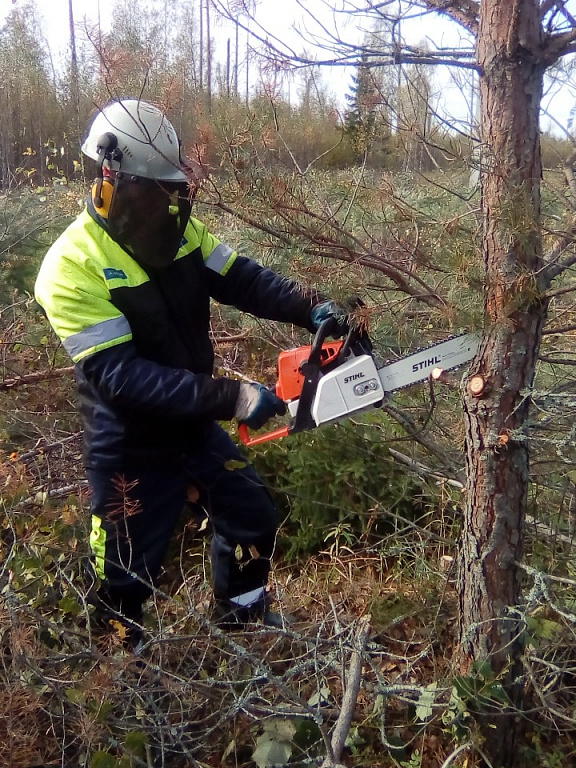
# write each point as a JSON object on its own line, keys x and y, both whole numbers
{"x": 426, "y": 364}
{"x": 312, "y": 380}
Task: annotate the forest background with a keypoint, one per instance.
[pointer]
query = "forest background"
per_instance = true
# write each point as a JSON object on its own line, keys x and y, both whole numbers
{"x": 374, "y": 192}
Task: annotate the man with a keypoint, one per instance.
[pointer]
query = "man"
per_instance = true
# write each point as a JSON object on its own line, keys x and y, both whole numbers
{"x": 127, "y": 287}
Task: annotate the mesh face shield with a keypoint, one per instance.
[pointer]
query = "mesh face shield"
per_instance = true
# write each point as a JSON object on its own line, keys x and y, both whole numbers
{"x": 148, "y": 217}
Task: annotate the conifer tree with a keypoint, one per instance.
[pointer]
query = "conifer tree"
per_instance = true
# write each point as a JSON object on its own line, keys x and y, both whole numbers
{"x": 360, "y": 117}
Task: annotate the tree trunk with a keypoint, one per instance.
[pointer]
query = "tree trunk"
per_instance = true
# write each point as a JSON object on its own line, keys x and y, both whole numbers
{"x": 236, "y": 57}
{"x": 511, "y": 80}
{"x": 208, "y": 57}
{"x": 201, "y": 48}
{"x": 74, "y": 75}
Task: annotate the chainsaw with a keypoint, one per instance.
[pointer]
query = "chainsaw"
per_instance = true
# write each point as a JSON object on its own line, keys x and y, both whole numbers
{"x": 330, "y": 380}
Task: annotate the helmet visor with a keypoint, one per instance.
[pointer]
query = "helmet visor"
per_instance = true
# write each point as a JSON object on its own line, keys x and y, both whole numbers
{"x": 148, "y": 217}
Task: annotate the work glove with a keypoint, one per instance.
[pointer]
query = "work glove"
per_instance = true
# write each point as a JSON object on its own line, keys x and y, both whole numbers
{"x": 329, "y": 310}
{"x": 256, "y": 405}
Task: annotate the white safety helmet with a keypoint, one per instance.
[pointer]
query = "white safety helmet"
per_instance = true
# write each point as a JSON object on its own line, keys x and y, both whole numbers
{"x": 136, "y": 138}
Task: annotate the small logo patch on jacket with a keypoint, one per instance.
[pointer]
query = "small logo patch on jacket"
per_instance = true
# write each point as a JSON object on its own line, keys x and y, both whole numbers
{"x": 110, "y": 273}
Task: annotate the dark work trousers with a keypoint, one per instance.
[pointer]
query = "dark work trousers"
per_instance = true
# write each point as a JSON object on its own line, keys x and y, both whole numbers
{"x": 134, "y": 515}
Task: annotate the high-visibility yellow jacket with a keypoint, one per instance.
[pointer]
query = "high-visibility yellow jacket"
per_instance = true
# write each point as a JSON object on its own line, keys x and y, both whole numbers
{"x": 140, "y": 338}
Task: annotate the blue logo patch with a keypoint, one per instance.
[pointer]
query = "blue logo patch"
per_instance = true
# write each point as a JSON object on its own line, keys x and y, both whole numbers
{"x": 110, "y": 274}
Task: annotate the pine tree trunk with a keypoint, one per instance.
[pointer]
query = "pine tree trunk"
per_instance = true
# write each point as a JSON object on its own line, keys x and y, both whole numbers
{"x": 511, "y": 81}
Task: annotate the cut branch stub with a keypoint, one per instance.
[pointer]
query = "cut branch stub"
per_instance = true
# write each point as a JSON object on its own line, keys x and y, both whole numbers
{"x": 477, "y": 385}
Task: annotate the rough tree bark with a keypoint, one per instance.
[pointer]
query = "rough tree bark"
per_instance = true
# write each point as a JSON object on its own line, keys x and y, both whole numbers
{"x": 511, "y": 71}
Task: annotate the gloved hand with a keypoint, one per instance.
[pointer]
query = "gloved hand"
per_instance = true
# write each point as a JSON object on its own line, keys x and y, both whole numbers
{"x": 329, "y": 310}
{"x": 256, "y": 405}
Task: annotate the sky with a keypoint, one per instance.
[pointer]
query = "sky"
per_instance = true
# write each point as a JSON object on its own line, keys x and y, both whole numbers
{"x": 280, "y": 17}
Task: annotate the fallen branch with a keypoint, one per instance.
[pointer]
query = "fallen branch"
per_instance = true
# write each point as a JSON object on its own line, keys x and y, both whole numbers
{"x": 41, "y": 497}
{"x": 230, "y": 339}
{"x": 34, "y": 378}
{"x": 556, "y": 360}
{"x": 42, "y": 447}
{"x": 344, "y": 721}
{"x": 458, "y": 751}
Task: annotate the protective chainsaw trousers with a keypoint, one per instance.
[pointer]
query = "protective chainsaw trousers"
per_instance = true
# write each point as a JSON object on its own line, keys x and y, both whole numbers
{"x": 134, "y": 515}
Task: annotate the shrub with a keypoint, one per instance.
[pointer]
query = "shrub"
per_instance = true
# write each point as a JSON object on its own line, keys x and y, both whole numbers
{"x": 339, "y": 477}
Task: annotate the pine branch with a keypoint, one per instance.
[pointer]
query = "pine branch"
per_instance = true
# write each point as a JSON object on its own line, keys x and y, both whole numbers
{"x": 558, "y": 46}
{"x": 464, "y": 12}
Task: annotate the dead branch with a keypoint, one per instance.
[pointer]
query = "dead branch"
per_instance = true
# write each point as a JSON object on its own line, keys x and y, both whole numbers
{"x": 556, "y": 360}
{"x": 322, "y": 246}
{"x": 421, "y": 469}
{"x": 34, "y": 378}
{"x": 417, "y": 467}
{"x": 342, "y": 727}
{"x": 41, "y": 497}
{"x": 416, "y": 433}
{"x": 560, "y": 329}
{"x": 230, "y": 339}
{"x": 42, "y": 447}
{"x": 453, "y": 755}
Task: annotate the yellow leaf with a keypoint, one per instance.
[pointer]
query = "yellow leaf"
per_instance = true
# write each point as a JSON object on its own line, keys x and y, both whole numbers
{"x": 238, "y": 553}
{"x": 119, "y": 628}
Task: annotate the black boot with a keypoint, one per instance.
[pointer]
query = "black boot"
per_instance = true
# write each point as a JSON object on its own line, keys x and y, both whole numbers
{"x": 230, "y": 616}
{"x": 125, "y": 621}
{"x": 129, "y": 630}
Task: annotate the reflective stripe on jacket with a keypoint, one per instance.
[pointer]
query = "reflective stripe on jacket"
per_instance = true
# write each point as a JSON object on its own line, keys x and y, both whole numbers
{"x": 140, "y": 338}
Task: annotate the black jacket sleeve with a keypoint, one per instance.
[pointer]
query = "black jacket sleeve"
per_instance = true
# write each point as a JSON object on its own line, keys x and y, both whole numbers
{"x": 127, "y": 381}
{"x": 259, "y": 291}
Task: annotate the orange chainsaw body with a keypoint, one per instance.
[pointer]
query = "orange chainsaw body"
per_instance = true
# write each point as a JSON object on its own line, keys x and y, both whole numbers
{"x": 290, "y": 378}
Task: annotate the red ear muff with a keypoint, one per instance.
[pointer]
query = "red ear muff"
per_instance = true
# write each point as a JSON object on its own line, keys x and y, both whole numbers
{"x": 102, "y": 196}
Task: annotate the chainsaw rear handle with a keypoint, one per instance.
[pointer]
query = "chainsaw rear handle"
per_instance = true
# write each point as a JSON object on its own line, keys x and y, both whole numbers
{"x": 275, "y": 434}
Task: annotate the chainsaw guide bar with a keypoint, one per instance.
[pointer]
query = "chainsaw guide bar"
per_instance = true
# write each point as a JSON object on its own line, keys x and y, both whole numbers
{"x": 414, "y": 367}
